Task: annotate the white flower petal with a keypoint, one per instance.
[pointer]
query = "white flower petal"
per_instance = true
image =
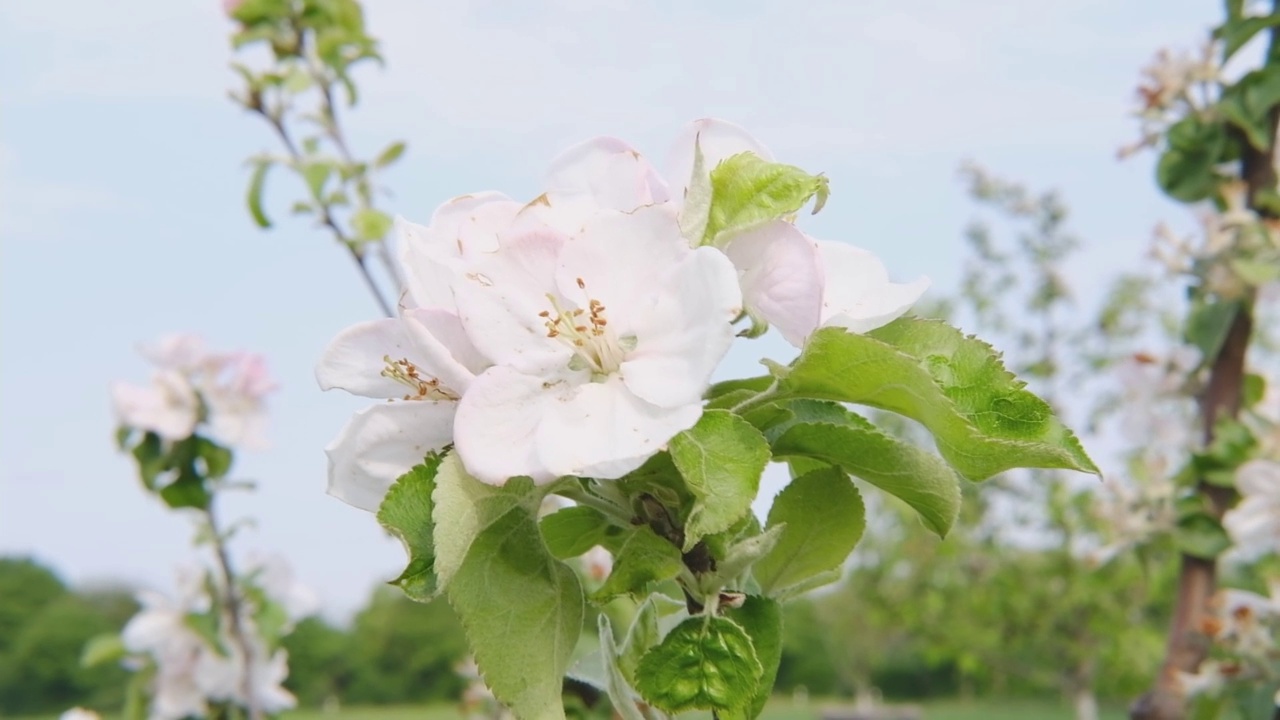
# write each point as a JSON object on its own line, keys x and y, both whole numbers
{"x": 461, "y": 228}
{"x": 603, "y": 430}
{"x": 383, "y": 442}
{"x": 782, "y": 278}
{"x": 718, "y": 140}
{"x": 620, "y": 256}
{"x": 858, "y": 295}
{"x": 168, "y": 407}
{"x": 354, "y": 360}
{"x": 685, "y": 331}
{"x": 608, "y": 172}
{"x": 495, "y": 433}
{"x": 442, "y": 348}
{"x": 500, "y": 299}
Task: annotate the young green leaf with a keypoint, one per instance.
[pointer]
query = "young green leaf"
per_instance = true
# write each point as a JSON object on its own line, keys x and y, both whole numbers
{"x": 641, "y": 637}
{"x": 572, "y": 531}
{"x": 106, "y": 648}
{"x": 464, "y": 507}
{"x": 389, "y": 155}
{"x": 704, "y": 663}
{"x": 643, "y": 559}
{"x": 256, "y": 183}
{"x": 721, "y": 459}
{"x": 522, "y": 611}
{"x": 748, "y": 191}
{"x": 762, "y": 619}
{"x": 406, "y": 513}
{"x": 835, "y": 436}
{"x": 983, "y": 418}
{"x": 824, "y": 518}
{"x": 620, "y": 693}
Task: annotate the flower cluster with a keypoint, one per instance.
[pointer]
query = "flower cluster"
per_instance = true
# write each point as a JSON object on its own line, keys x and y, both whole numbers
{"x": 191, "y": 386}
{"x": 195, "y": 657}
{"x": 1244, "y": 628}
{"x": 1254, "y": 524}
{"x": 575, "y": 334}
{"x": 1173, "y": 85}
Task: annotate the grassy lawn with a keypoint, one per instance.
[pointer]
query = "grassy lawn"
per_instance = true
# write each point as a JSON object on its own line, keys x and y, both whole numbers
{"x": 777, "y": 710}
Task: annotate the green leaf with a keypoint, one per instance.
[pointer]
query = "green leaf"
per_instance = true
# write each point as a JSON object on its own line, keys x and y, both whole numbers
{"x": 149, "y": 453}
{"x": 389, "y": 155}
{"x": 1253, "y": 389}
{"x": 642, "y": 636}
{"x": 643, "y": 559}
{"x": 748, "y": 191}
{"x": 1208, "y": 324}
{"x": 1248, "y": 103}
{"x": 316, "y": 174}
{"x": 522, "y": 611}
{"x": 406, "y": 513}
{"x": 256, "y": 183}
{"x": 619, "y": 690}
{"x": 696, "y": 210}
{"x": 816, "y": 430}
{"x": 1186, "y": 169}
{"x": 721, "y": 459}
{"x": 217, "y": 459}
{"x": 370, "y": 225}
{"x": 824, "y": 519}
{"x": 982, "y": 418}
{"x": 762, "y": 619}
{"x": 747, "y": 551}
{"x": 703, "y": 663}
{"x": 188, "y": 491}
{"x": 103, "y": 648}
{"x": 572, "y": 531}
{"x": 1199, "y": 535}
{"x": 464, "y": 507}
{"x": 1239, "y": 30}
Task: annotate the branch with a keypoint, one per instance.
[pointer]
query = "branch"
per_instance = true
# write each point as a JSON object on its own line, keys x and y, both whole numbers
{"x": 231, "y": 602}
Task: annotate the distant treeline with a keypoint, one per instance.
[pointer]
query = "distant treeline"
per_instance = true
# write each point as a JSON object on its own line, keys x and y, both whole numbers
{"x": 397, "y": 651}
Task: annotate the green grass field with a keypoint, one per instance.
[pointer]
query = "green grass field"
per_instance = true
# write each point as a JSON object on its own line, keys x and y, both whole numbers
{"x": 778, "y": 710}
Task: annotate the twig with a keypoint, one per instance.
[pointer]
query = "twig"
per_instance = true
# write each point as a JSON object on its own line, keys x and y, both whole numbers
{"x": 231, "y": 601}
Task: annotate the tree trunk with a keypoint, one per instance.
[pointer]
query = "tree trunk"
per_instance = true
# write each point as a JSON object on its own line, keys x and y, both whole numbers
{"x": 1187, "y": 646}
{"x": 1085, "y": 703}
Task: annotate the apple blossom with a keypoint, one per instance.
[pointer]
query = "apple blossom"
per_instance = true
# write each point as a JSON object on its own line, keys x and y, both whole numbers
{"x": 1254, "y": 524}
{"x": 421, "y": 362}
{"x": 78, "y": 713}
{"x": 168, "y": 407}
{"x": 602, "y": 346}
{"x": 191, "y": 386}
{"x": 788, "y": 279}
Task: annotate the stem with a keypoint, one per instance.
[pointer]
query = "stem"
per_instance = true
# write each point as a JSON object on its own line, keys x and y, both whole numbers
{"x": 326, "y": 216}
{"x": 769, "y": 394}
{"x": 231, "y": 602}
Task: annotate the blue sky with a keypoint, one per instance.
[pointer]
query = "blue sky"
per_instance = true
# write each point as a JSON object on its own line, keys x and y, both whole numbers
{"x": 122, "y": 184}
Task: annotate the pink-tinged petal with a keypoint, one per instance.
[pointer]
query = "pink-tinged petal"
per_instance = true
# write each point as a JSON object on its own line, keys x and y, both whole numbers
{"x": 782, "y": 278}
{"x": 495, "y": 433}
{"x": 620, "y": 256}
{"x": 717, "y": 139}
{"x": 858, "y": 295}
{"x": 603, "y": 430}
{"x": 383, "y": 442}
{"x": 608, "y": 172}
{"x": 501, "y": 296}
{"x": 685, "y": 331}
{"x": 355, "y": 359}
